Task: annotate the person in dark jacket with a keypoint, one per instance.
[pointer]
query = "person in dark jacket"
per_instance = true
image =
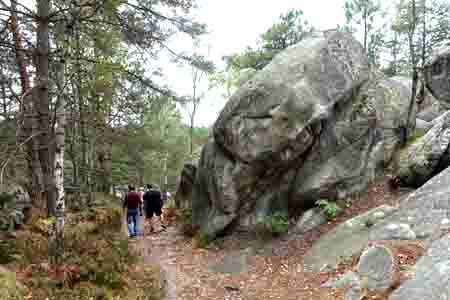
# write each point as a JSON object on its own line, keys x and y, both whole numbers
{"x": 153, "y": 205}
{"x": 133, "y": 204}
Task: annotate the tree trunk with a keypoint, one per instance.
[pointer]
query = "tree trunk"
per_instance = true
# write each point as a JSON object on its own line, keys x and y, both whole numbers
{"x": 423, "y": 58}
{"x": 365, "y": 27}
{"x": 20, "y": 57}
{"x": 27, "y": 127}
{"x": 57, "y": 237}
{"x": 42, "y": 102}
{"x": 414, "y": 68}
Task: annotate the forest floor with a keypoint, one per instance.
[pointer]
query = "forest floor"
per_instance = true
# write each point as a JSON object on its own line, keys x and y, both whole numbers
{"x": 239, "y": 266}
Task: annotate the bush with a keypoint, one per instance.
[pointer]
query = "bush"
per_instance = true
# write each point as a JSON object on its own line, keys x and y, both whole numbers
{"x": 203, "y": 239}
{"x": 330, "y": 209}
{"x": 98, "y": 262}
{"x": 275, "y": 224}
{"x": 5, "y": 198}
{"x": 10, "y": 289}
{"x": 7, "y": 251}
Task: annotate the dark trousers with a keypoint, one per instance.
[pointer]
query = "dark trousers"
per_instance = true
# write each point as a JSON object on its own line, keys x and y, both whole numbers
{"x": 132, "y": 221}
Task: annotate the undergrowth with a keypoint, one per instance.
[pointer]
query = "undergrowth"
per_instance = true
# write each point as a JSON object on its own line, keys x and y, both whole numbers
{"x": 329, "y": 208}
{"x": 98, "y": 262}
{"x": 275, "y": 224}
{"x": 415, "y": 136}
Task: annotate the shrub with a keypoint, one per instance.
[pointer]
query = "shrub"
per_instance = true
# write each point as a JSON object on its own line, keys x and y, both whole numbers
{"x": 275, "y": 224}
{"x": 203, "y": 239}
{"x": 7, "y": 251}
{"x": 184, "y": 219}
{"x": 330, "y": 209}
{"x": 5, "y": 198}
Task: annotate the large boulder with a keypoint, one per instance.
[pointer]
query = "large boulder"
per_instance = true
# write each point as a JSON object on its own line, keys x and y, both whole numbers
{"x": 357, "y": 142}
{"x": 427, "y": 156}
{"x": 314, "y": 123}
{"x": 184, "y": 193}
{"x": 436, "y": 73}
{"x": 432, "y": 275}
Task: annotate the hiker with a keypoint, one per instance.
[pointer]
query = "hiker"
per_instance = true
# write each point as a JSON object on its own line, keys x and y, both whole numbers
{"x": 141, "y": 194}
{"x": 153, "y": 206}
{"x": 133, "y": 204}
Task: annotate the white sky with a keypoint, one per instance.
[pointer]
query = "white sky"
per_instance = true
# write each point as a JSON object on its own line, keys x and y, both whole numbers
{"x": 235, "y": 24}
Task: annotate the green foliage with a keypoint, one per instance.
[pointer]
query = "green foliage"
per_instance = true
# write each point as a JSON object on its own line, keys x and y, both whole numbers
{"x": 330, "y": 209}
{"x": 157, "y": 147}
{"x": 275, "y": 224}
{"x": 98, "y": 261}
{"x": 290, "y": 29}
{"x": 7, "y": 251}
{"x": 203, "y": 240}
{"x": 415, "y": 136}
{"x": 5, "y": 198}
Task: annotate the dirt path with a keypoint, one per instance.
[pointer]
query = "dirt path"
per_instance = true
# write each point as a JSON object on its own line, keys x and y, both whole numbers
{"x": 239, "y": 267}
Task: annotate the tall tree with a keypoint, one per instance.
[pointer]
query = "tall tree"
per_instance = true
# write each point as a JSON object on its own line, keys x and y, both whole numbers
{"x": 290, "y": 29}
{"x": 362, "y": 12}
{"x": 200, "y": 69}
{"x": 412, "y": 50}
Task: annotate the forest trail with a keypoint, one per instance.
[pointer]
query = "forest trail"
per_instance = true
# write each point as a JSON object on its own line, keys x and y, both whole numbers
{"x": 244, "y": 267}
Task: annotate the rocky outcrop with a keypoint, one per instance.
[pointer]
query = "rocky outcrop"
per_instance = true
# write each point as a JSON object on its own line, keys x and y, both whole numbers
{"x": 427, "y": 156}
{"x": 426, "y": 210}
{"x": 436, "y": 73}
{"x": 345, "y": 240}
{"x": 432, "y": 275}
{"x": 315, "y": 123}
{"x": 184, "y": 193}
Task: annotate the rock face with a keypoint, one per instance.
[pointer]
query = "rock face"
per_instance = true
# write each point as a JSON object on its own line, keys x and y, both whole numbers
{"x": 427, "y": 156}
{"x": 315, "y": 123}
{"x": 184, "y": 193}
{"x": 311, "y": 219}
{"x": 437, "y": 72}
{"x": 432, "y": 275}
{"x": 425, "y": 210}
{"x": 345, "y": 240}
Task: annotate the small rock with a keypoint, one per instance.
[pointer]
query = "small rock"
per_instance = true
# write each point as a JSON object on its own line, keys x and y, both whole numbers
{"x": 395, "y": 231}
{"x": 310, "y": 219}
{"x": 232, "y": 287}
{"x": 379, "y": 215}
{"x": 349, "y": 278}
{"x": 445, "y": 221}
{"x": 326, "y": 267}
{"x": 353, "y": 293}
{"x": 378, "y": 269}
{"x": 424, "y": 231}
